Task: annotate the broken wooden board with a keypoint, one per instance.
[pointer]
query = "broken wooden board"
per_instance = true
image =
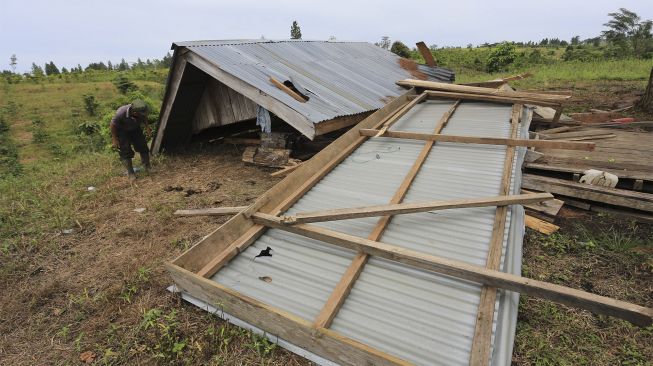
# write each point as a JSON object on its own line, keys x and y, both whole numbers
{"x": 276, "y": 158}
{"x": 591, "y": 117}
{"x": 540, "y": 226}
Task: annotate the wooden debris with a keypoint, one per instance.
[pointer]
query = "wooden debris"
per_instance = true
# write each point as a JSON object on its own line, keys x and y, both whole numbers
{"x": 276, "y": 158}
{"x": 285, "y": 170}
{"x": 426, "y": 53}
{"x": 591, "y": 117}
{"x": 241, "y": 141}
{"x": 287, "y": 90}
{"x": 549, "y": 207}
{"x": 612, "y": 196}
{"x": 214, "y": 211}
{"x": 540, "y": 226}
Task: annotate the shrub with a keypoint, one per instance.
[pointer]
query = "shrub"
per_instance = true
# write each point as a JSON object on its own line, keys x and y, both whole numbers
{"x": 501, "y": 57}
{"x": 124, "y": 85}
{"x": 400, "y": 49}
{"x": 90, "y": 104}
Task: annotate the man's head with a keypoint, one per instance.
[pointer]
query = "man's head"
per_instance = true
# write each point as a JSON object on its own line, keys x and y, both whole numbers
{"x": 138, "y": 108}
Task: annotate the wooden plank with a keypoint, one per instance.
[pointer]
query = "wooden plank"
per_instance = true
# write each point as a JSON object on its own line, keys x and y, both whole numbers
{"x": 338, "y": 123}
{"x": 433, "y": 85}
{"x": 401, "y": 113}
{"x": 481, "y": 345}
{"x": 171, "y": 93}
{"x": 407, "y": 208}
{"x": 214, "y": 211}
{"x": 490, "y": 98}
{"x": 548, "y": 207}
{"x": 548, "y": 144}
{"x": 344, "y": 286}
{"x": 636, "y": 314}
{"x": 285, "y": 193}
{"x": 287, "y": 90}
{"x": 426, "y": 53}
{"x": 613, "y": 196}
{"x": 540, "y": 226}
{"x": 284, "y": 171}
{"x": 294, "y": 329}
{"x": 285, "y": 112}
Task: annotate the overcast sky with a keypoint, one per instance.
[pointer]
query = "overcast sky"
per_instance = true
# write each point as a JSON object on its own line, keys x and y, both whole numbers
{"x": 82, "y": 31}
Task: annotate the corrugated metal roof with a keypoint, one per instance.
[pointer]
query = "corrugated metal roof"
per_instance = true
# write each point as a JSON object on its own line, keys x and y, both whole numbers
{"x": 342, "y": 78}
{"x": 419, "y": 316}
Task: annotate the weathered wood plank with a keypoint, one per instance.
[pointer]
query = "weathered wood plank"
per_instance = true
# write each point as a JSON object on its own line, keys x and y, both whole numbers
{"x": 563, "y": 295}
{"x": 407, "y": 208}
{"x": 433, "y": 85}
{"x": 548, "y": 144}
{"x": 491, "y": 98}
{"x": 213, "y": 211}
{"x": 540, "y": 226}
{"x": 481, "y": 345}
{"x": 426, "y": 53}
{"x": 613, "y": 196}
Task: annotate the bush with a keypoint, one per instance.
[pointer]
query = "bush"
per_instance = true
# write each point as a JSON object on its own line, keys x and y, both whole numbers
{"x": 90, "y": 104}
{"x": 124, "y": 85}
{"x": 501, "y": 57}
{"x": 400, "y": 49}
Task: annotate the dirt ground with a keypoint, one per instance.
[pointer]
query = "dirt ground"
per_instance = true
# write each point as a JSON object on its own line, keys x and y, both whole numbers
{"x": 94, "y": 288}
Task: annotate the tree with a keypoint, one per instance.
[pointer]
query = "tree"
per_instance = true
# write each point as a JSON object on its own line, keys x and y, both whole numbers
{"x": 37, "y": 71}
{"x": 385, "y": 43}
{"x": 295, "y": 31}
{"x": 167, "y": 60}
{"x": 64, "y": 70}
{"x": 51, "y": 69}
{"x": 575, "y": 40}
{"x": 501, "y": 57}
{"x": 400, "y": 49}
{"x": 13, "y": 61}
{"x": 123, "y": 65}
{"x": 627, "y": 32}
{"x": 109, "y": 65}
{"x": 646, "y": 102}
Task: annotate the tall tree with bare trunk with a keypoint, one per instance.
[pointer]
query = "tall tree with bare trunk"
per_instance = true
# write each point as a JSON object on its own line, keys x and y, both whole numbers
{"x": 646, "y": 102}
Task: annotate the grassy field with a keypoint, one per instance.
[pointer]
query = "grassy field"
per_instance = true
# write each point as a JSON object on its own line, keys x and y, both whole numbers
{"x": 83, "y": 272}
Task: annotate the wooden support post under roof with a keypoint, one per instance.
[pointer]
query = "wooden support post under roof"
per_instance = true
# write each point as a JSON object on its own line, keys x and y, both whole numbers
{"x": 344, "y": 286}
{"x": 426, "y": 53}
{"x": 408, "y": 208}
{"x": 597, "y": 304}
{"x": 542, "y": 144}
{"x": 481, "y": 344}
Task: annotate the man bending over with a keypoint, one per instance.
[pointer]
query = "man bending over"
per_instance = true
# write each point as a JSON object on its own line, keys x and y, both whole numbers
{"x": 126, "y": 131}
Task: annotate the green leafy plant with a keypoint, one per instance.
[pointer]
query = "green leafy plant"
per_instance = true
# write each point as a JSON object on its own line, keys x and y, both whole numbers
{"x": 501, "y": 57}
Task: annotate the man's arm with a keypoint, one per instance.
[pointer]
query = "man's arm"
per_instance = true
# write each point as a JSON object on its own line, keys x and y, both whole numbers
{"x": 114, "y": 135}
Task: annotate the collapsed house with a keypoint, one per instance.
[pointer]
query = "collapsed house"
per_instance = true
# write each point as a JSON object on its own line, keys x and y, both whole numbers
{"x": 314, "y": 86}
{"x": 400, "y": 243}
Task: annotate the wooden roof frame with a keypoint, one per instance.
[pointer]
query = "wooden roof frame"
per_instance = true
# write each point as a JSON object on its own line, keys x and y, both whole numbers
{"x": 191, "y": 270}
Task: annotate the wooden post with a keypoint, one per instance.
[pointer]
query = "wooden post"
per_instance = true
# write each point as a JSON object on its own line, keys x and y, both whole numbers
{"x": 426, "y": 53}
{"x": 646, "y": 102}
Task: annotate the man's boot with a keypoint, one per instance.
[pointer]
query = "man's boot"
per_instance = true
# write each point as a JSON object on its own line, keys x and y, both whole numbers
{"x": 130, "y": 169}
{"x": 145, "y": 159}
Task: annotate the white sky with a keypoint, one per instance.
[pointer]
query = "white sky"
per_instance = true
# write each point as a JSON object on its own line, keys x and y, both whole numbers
{"x": 82, "y": 31}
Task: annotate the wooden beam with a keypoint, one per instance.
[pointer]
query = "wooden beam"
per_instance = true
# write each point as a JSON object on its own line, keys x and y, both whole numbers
{"x": 344, "y": 286}
{"x": 203, "y": 258}
{"x": 285, "y": 171}
{"x": 481, "y": 344}
{"x": 213, "y": 211}
{"x": 402, "y": 112}
{"x": 636, "y": 314}
{"x": 612, "y": 196}
{"x": 408, "y": 208}
{"x": 172, "y": 86}
{"x": 426, "y": 53}
{"x": 287, "y": 90}
{"x": 543, "y": 144}
{"x": 491, "y": 98}
{"x": 433, "y": 85}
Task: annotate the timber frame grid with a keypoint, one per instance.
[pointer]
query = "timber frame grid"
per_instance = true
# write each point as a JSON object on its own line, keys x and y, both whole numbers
{"x": 192, "y": 270}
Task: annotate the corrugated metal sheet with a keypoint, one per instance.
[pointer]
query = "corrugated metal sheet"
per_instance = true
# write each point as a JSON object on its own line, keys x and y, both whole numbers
{"x": 422, "y": 317}
{"x": 342, "y": 78}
